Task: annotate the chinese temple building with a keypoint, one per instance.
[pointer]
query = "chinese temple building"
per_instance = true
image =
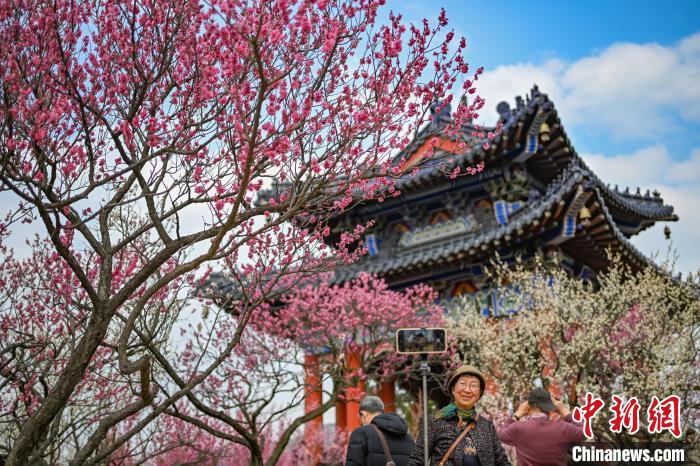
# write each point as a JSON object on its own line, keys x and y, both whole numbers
{"x": 535, "y": 195}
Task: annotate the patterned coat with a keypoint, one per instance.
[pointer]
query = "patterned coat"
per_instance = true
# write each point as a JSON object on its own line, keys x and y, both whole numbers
{"x": 443, "y": 431}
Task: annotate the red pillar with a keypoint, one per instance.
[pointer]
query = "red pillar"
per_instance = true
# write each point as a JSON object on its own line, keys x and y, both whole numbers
{"x": 387, "y": 392}
{"x": 354, "y": 395}
{"x": 341, "y": 415}
{"x": 312, "y": 400}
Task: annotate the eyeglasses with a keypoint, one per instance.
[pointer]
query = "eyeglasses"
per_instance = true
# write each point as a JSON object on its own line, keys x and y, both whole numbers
{"x": 470, "y": 386}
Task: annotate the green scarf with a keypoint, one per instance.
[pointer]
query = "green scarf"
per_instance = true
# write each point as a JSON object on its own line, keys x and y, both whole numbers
{"x": 464, "y": 415}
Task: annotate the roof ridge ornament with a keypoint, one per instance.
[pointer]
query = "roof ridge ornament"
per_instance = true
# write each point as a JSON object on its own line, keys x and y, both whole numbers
{"x": 503, "y": 109}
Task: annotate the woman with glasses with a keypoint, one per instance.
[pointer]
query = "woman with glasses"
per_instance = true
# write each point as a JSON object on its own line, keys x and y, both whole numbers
{"x": 457, "y": 434}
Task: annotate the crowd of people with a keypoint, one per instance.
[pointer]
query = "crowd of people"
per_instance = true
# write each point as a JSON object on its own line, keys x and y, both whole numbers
{"x": 540, "y": 430}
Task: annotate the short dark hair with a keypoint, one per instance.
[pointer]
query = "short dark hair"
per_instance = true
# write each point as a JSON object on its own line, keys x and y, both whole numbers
{"x": 372, "y": 404}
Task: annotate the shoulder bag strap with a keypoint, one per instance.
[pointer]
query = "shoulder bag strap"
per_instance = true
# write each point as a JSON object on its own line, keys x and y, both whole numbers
{"x": 456, "y": 442}
{"x": 385, "y": 446}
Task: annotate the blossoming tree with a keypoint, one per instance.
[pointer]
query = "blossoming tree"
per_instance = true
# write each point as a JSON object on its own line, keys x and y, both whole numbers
{"x": 137, "y": 136}
{"x": 248, "y": 406}
{"x": 256, "y": 398}
{"x": 627, "y": 334}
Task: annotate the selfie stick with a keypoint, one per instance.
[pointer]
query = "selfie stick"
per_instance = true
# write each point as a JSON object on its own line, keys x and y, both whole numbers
{"x": 425, "y": 370}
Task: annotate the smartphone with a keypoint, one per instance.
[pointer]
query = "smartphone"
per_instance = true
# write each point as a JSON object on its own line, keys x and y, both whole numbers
{"x": 421, "y": 340}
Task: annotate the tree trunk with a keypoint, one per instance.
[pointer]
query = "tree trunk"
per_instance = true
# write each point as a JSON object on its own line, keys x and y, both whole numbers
{"x": 38, "y": 425}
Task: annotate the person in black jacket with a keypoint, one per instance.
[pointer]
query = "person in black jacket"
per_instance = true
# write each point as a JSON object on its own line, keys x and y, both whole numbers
{"x": 365, "y": 447}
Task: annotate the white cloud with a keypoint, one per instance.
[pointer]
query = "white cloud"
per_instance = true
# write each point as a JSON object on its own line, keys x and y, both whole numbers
{"x": 507, "y": 81}
{"x": 686, "y": 171}
{"x": 641, "y": 168}
{"x": 679, "y": 184}
{"x": 630, "y": 90}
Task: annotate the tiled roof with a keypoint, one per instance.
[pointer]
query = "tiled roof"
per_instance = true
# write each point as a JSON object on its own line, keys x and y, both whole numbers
{"x": 433, "y": 170}
{"x": 645, "y": 206}
{"x": 489, "y": 237}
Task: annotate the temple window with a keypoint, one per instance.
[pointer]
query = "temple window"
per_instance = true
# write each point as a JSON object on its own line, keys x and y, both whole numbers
{"x": 439, "y": 217}
{"x": 483, "y": 212}
{"x": 400, "y": 228}
{"x": 463, "y": 288}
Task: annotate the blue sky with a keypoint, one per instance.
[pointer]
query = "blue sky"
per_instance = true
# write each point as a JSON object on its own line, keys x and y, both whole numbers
{"x": 506, "y": 31}
{"x": 624, "y": 77}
